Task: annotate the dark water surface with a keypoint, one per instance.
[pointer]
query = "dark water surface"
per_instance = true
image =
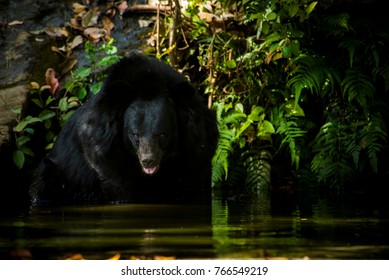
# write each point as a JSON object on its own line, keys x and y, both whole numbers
{"x": 226, "y": 229}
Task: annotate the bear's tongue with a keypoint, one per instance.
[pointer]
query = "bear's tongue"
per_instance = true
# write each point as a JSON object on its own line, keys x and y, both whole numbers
{"x": 149, "y": 170}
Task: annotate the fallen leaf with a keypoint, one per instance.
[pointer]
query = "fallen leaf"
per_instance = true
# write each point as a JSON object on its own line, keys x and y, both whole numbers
{"x": 76, "y": 42}
{"x": 55, "y": 31}
{"x": 67, "y": 65}
{"x": 108, "y": 24}
{"x": 94, "y": 34}
{"x": 90, "y": 18}
{"x": 15, "y": 22}
{"x": 78, "y": 8}
{"x": 58, "y": 50}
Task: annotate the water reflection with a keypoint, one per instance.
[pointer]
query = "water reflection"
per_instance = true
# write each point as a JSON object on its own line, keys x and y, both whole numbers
{"x": 226, "y": 229}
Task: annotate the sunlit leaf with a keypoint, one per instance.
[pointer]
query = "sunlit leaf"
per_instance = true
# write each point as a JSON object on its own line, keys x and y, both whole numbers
{"x": 21, "y": 125}
{"x": 310, "y": 7}
{"x": 115, "y": 257}
{"x": 231, "y": 64}
{"x": 63, "y": 104}
{"x": 271, "y": 16}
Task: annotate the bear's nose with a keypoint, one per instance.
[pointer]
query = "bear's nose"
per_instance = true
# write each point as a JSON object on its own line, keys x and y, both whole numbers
{"x": 148, "y": 162}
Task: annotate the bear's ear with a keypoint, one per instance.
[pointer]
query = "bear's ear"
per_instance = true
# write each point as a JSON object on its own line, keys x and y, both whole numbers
{"x": 116, "y": 94}
{"x": 182, "y": 93}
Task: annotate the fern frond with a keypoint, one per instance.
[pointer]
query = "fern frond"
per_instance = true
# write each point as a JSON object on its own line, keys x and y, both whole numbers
{"x": 357, "y": 86}
{"x": 293, "y": 135}
{"x": 337, "y": 23}
{"x": 258, "y": 168}
{"x": 220, "y": 159}
{"x": 311, "y": 73}
{"x": 351, "y": 45}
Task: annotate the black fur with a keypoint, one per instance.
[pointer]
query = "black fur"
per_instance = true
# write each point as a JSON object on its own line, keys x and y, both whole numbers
{"x": 147, "y": 136}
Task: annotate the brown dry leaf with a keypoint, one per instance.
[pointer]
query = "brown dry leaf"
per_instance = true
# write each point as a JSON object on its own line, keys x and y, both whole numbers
{"x": 67, "y": 65}
{"x": 75, "y": 23}
{"x": 60, "y": 51}
{"x": 108, "y": 24}
{"x": 15, "y": 22}
{"x": 55, "y": 31}
{"x": 76, "y": 42}
{"x": 78, "y": 8}
{"x": 51, "y": 80}
{"x": 94, "y": 34}
{"x": 90, "y": 18}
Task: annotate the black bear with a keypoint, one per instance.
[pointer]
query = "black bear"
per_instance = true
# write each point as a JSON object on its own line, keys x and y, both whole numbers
{"x": 147, "y": 136}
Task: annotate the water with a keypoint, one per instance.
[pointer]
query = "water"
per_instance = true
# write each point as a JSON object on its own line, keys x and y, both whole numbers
{"x": 226, "y": 230}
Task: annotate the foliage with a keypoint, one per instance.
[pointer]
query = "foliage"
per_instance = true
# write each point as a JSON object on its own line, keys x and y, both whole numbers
{"x": 294, "y": 87}
{"x": 53, "y": 109}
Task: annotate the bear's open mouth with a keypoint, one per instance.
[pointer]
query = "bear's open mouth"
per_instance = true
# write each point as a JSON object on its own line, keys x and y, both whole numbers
{"x": 150, "y": 170}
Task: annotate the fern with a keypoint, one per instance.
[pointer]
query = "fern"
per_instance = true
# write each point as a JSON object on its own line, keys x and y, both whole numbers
{"x": 220, "y": 159}
{"x": 258, "y": 168}
{"x": 311, "y": 73}
{"x": 357, "y": 86}
{"x": 331, "y": 162}
{"x": 293, "y": 136}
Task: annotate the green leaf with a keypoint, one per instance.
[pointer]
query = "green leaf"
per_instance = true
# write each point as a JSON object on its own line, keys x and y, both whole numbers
{"x": 109, "y": 60}
{"x": 268, "y": 127}
{"x": 49, "y": 146}
{"x": 67, "y": 115}
{"x": 81, "y": 94}
{"x": 95, "y": 88}
{"x": 286, "y": 52}
{"x": 20, "y": 141}
{"x": 310, "y": 7}
{"x": 293, "y": 10}
{"x": 38, "y": 102}
{"x": 27, "y": 151}
{"x": 271, "y": 16}
{"x": 239, "y": 107}
{"x": 255, "y": 114}
{"x": 18, "y": 158}
{"x": 295, "y": 47}
{"x": 82, "y": 73}
{"x": 63, "y": 104}
{"x": 294, "y": 109}
{"x": 231, "y": 64}
{"x": 49, "y": 100}
{"x": 21, "y": 125}
{"x": 46, "y": 114}
{"x": 17, "y": 111}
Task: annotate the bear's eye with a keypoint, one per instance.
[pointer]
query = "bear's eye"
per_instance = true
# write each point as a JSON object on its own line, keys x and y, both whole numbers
{"x": 162, "y": 135}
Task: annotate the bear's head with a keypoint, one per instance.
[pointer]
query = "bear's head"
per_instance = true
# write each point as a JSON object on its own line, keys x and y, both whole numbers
{"x": 150, "y": 127}
{"x": 152, "y": 106}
